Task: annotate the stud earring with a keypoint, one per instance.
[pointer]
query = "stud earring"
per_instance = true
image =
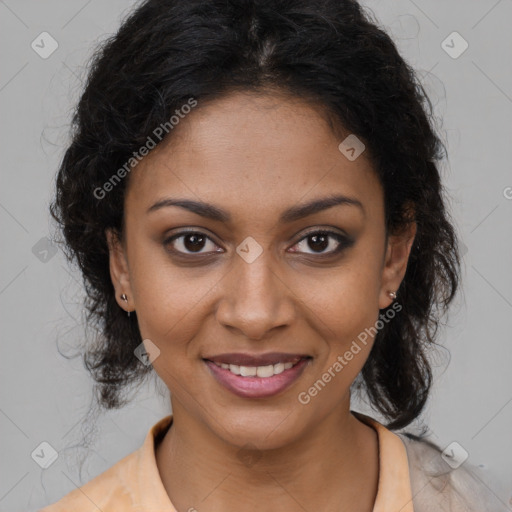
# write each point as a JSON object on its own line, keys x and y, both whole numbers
{"x": 392, "y": 295}
{"x": 125, "y": 298}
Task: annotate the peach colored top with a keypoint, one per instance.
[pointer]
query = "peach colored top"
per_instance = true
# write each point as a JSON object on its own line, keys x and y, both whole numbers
{"x": 134, "y": 483}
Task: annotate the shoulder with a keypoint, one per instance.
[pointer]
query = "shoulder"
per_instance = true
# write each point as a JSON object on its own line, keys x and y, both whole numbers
{"x": 437, "y": 486}
{"x": 111, "y": 490}
{"x": 133, "y": 483}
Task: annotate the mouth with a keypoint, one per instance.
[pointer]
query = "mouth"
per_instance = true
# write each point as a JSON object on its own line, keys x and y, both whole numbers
{"x": 257, "y": 376}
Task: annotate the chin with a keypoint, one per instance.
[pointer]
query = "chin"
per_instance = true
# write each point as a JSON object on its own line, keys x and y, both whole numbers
{"x": 258, "y": 429}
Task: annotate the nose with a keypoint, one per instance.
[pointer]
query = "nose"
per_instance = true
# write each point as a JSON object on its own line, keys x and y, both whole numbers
{"x": 255, "y": 298}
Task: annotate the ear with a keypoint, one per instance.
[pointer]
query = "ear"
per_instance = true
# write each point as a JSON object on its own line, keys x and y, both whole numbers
{"x": 395, "y": 264}
{"x": 119, "y": 272}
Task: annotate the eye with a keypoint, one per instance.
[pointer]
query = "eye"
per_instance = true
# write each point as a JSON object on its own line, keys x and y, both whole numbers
{"x": 197, "y": 242}
{"x": 190, "y": 242}
{"x": 321, "y": 240}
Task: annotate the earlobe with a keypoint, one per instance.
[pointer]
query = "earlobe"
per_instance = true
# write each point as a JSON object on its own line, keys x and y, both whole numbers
{"x": 119, "y": 272}
{"x": 395, "y": 266}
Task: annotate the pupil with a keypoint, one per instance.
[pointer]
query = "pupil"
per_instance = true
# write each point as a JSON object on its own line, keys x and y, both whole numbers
{"x": 322, "y": 239}
{"x": 197, "y": 241}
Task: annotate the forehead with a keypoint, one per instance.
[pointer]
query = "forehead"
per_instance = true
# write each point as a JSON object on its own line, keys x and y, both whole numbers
{"x": 246, "y": 151}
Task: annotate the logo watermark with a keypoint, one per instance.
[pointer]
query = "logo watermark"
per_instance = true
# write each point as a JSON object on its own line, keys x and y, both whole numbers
{"x": 304, "y": 397}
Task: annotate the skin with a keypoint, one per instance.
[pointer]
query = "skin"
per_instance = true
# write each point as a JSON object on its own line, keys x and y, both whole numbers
{"x": 255, "y": 156}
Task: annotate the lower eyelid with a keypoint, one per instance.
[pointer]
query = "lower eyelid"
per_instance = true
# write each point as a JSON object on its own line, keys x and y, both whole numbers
{"x": 343, "y": 242}
{"x": 170, "y": 240}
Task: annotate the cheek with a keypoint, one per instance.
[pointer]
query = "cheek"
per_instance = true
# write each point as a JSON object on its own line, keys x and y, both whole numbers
{"x": 346, "y": 297}
{"x": 171, "y": 314}
{"x": 345, "y": 309}
{"x": 169, "y": 309}
{"x": 168, "y": 297}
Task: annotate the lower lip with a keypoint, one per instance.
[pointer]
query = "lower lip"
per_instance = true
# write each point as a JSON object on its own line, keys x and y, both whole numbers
{"x": 257, "y": 387}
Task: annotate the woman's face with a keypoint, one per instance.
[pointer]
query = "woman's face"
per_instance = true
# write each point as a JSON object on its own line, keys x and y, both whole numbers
{"x": 254, "y": 276}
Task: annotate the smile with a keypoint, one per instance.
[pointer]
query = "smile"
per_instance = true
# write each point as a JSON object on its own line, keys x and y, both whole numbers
{"x": 257, "y": 371}
{"x": 257, "y": 381}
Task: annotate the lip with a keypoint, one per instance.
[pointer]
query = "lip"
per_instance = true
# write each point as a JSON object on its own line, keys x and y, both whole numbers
{"x": 241, "y": 359}
{"x": 257, "y": 387}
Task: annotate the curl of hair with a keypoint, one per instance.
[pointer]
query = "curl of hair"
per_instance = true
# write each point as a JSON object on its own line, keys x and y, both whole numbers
{"x": 330, "y": 52}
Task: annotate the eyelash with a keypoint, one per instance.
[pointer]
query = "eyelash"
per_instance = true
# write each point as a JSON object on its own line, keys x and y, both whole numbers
{"x": 343, "y": 241}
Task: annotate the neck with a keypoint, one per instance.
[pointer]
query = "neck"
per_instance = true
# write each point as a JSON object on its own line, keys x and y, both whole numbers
{"x": 334, "y": 466}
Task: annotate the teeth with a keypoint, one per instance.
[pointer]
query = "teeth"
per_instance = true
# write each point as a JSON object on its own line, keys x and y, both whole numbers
{"x": 249, "y": 371}
{"x": 265, "y": 371}
{"x": 279, "y": 368}
{"x": 258, "y": 371}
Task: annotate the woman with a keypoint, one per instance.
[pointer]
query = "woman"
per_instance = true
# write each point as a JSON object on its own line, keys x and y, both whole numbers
{"x": 252, "y": 196}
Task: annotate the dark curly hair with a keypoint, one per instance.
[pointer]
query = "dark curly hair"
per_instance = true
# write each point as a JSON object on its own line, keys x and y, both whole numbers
{"x": 330, "y": 52}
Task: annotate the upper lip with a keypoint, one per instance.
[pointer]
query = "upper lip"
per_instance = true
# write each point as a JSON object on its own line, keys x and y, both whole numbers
{"x": 256, "y": 360}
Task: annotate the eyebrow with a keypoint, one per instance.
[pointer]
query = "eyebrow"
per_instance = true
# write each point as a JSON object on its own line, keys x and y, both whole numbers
{"x": 290, "y": 215}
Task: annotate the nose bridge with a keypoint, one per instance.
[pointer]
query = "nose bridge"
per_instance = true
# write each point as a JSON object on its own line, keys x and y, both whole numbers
{"x": 255, "y": 299}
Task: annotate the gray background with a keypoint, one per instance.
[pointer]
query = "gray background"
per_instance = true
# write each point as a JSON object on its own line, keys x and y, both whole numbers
{"x": 44, "y": 396}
